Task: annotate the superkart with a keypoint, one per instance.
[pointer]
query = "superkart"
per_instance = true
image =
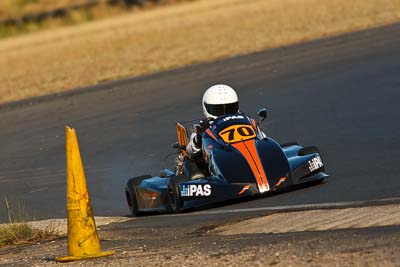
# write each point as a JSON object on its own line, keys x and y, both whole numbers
{"x": 240, "y": 161}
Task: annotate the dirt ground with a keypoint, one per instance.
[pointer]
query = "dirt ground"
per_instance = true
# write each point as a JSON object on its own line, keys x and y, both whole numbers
{"x": 362, "y": 247}
{"x": 137, "y": 245}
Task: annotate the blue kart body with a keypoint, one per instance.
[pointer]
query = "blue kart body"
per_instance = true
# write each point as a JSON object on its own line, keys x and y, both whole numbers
{"x": 240, "y": 162}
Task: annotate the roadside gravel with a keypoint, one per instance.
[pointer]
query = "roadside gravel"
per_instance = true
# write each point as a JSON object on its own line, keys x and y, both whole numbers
{"x": 190, "y": 246}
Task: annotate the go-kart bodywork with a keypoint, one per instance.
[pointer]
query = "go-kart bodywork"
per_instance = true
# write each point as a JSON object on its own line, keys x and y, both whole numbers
{"x": 241, "y": 162}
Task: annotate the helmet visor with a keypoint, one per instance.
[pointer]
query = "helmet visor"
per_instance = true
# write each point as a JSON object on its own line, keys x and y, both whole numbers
{"x": 222, "y": 109}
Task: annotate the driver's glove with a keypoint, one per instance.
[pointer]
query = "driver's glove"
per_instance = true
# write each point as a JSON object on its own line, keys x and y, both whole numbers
{"x": 194, "y": 145}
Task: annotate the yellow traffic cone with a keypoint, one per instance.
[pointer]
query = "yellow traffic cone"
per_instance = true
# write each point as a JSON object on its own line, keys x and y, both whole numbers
{"x": 83, "y": 240}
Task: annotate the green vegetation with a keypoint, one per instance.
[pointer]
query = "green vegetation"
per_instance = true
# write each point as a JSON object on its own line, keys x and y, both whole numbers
{"x": 17, "y": 231}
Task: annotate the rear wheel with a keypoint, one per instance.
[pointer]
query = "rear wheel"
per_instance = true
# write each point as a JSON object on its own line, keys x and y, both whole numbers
{"x": 130, "y": 194}
{"x": 309, "y": 150}
{"x": 174, "y": 194}
{"x": 289, "y": 144}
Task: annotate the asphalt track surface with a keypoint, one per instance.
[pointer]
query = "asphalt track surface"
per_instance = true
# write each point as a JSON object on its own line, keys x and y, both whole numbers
{"x": 341, "y": 94}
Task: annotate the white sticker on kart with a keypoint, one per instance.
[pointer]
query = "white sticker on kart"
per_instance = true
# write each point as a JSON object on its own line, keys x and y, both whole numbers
{"x": 196, "y": 190}
{"x": 315, "y": 163}
{"x": 233, "y": 117}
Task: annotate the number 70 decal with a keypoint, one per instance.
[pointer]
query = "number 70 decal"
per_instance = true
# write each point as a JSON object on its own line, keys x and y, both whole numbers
{"x": 236, "y": 133}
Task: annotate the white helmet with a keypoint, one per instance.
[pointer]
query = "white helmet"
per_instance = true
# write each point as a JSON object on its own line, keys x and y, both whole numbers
{"x": 220, "y": 100}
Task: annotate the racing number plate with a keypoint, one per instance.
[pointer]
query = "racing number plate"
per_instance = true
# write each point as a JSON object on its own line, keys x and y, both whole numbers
{"x": 237, "y": 133}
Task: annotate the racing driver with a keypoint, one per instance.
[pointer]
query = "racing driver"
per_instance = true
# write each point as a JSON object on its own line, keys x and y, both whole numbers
{"x": 217, "y": 100}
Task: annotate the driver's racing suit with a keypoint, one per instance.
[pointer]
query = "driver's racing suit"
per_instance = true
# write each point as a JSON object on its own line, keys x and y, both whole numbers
{"x": 193, "y": 148}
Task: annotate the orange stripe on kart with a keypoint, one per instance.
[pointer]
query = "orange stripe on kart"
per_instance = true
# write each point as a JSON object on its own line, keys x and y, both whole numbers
{"x": 281, "y": 180}
{"x": 249, "y": 151}
{"x": 253, "y": 122}
{"x": 253, "y": 151}
{"x": 208, "y": 131}
{"x": 244, "y": 189}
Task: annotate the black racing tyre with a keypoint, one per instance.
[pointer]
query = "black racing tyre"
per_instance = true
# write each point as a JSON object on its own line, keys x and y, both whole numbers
{"x": 173, "y": 194}
{"x": 289, "y": 144}
{"x": 130, "y": 193}
{"x": 131, "y": 199}
{"x": 309, "y": 150}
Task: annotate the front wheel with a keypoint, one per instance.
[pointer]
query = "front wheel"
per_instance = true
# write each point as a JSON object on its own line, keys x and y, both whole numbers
{"x": 174, "y": 195}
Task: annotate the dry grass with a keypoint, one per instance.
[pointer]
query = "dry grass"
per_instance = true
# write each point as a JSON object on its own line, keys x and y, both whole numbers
{"x": 16, "y": 9}
{"x": 17, "y": 231}
{"x": 173, "y": 36}
{"x": 22, "y": 233}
